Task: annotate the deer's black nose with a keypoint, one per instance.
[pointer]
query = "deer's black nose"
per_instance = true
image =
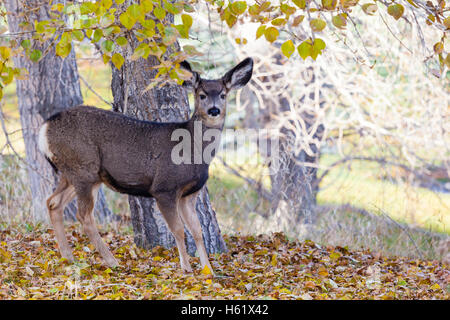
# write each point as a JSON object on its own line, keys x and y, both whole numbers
{"x": 214, "y": 111}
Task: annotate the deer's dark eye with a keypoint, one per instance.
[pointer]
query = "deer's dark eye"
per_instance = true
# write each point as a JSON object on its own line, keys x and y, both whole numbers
{"x": 222, "y": 96}
{"x": 202, "y": 97}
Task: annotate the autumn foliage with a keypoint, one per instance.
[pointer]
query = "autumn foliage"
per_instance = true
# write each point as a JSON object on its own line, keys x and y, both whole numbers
{"x": 255, "y": 267}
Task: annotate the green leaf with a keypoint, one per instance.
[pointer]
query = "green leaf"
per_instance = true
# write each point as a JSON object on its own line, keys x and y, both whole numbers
{"x": 183, "y": 31}
{"x": 260, "y": 31}
{"x": 117, "y": 60}
{"x": 63, "y": 49}
{"x": 106, "y": 20}
{"x": 229, "y": 17}
{"x": 122, "y": 41}
{"x": 287, "y": 10}
{"x": 98, "y": 34}
{"x": 88, "y": 7}
{"x": 107, "y": 45}
{"x": 40, "y": 26}
{"x": 279, "y": 22}
{"x": 329, "y": 4}
{"x": 187, "y": 20}
{"x": 300, "y": 3}
{"x": 107, "y": 4}
{"x": 78, "y": 35}
{"x": 253, "y": 10}
{"x": 304, "y": 49}
{"x": 317, "y": 48}
{"x": 239, "y": 7}
{"x": 317, "y": 25}
{"x": 65, "y": 38}
{"x": 172, "y": 8}
{"x": 147, "y": 6}
{"x": 396, "y": 10}
{"x": 142, "y": 50}
{"x": 135, "y": 11}
{"x": 170, "y": 36}
{"x": 159, "y": 13}
{"x": 126, "y": 20}
{"x": 271, "y": 34}
{"x": 340, "y": 20}
{"x": 288, "y": 48}
{"x": 148, "y": 24}
{"x": 25, "y": 43}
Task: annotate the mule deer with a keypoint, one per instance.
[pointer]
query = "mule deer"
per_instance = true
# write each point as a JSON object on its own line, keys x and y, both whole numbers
{"x": 90, "y": 146}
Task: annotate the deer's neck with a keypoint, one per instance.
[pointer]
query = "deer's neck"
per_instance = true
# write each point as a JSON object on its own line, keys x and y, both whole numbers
{"x": 204, "y": 139}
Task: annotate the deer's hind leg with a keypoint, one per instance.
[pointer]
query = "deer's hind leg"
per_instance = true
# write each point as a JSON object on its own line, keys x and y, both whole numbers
{"x": 86, "y": 197}
{"x": 56, "y": 203}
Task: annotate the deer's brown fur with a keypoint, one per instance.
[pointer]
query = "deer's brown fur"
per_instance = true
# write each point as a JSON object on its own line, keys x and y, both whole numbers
{"x": 90, "y": 146}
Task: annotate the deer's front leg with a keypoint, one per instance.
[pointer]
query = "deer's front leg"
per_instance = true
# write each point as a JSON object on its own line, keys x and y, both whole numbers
{"x": 168, "y": 205}
{"x": 190, "y": 219}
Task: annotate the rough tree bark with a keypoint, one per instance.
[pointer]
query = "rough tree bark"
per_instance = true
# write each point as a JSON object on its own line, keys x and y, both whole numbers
{"x": 52, "y": 86}
{"x": 167, "y": 104}
{"x": 293, "y": 189}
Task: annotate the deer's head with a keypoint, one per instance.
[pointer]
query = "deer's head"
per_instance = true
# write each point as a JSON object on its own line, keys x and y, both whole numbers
{"x": 211, "y": 95}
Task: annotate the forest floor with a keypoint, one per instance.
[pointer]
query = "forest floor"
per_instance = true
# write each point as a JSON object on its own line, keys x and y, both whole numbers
{"x": 255, "y": 267}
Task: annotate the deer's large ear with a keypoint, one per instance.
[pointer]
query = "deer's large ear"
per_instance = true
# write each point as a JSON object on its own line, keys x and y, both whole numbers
{"x": 239, "y": 76}
{"x": 195, "y": 78}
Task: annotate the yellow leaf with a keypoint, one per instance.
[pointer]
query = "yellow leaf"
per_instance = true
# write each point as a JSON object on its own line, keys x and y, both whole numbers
{"x": 260, "y": 31}
{"x": 438, "y": 47}
{"x": 323, "y": 272}
{"x": 435, "y": 286}
{"x": 335, "y": 255}
{"x": 447, "y": 22}
{"x": 317, "y": 25}
{"x": 206, "y": 270}
{"x": 5, "y": 52}
{"x": 187, "y": 20}
{"x": 288, "y": 49}
{"x": 286, "y": 291}
{"x": 274, "y": 261}
{"x": 271, "y": 34}
{"x": 261, "y": 252}
{"x": 339, "y": 21}
{"x": 117, "y": 60}
{"x": 396, "y": 10}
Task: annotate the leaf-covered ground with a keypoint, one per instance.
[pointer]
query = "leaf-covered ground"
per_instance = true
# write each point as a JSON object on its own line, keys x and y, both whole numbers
{"x": 255, "y": 267}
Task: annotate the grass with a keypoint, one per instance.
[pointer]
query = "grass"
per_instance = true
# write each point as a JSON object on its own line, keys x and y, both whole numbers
{"x": 361, "y": 185}
{"x": 393, "y": 218}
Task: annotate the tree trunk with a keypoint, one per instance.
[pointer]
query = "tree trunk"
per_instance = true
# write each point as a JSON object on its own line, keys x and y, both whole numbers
{"x": 167, "y": 104}
{"x": 52, "y": 86}
{"x": 293, "y": 186}
{"x": 295, "y": 183}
